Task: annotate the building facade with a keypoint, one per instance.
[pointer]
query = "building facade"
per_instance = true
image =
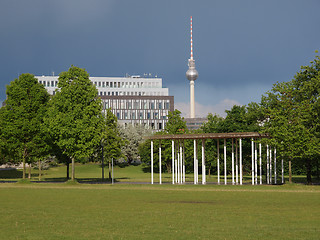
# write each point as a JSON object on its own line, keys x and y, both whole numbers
{"x": 132, "y": 99}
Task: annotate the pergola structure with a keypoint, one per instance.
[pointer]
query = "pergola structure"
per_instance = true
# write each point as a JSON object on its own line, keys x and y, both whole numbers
{"x": 178, "y": 160}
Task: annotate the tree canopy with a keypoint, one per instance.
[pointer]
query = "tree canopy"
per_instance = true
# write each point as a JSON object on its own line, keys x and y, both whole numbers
{"x": 74, "y": 118}
{"x": 292, "y": 111}
{"x": 21, "y": 119}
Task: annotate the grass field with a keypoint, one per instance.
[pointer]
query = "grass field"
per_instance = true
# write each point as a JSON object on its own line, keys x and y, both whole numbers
{"x": 86, "y": 211}
{"x": 144, "y": 211}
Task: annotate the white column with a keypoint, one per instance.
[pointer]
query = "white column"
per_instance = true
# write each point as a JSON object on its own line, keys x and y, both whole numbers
{"x": 252, "y": 160}
{"x": 151, "y": 161}
{"x": 175, "y": 164}
{"x": 195, "y": 161}
{"x": 176, "y": 169}
{"x": 232, "y": 162}
{"x": 181, "y": 164}
{"x": 184, "y": 163}
{"x": 197, "y": 169}
{"x": 256, "y": 163}
{"x": 270, "y": 162}
{"x": 275, "y": 166}
{"x": 237, "y": 163}
{"x": 268, "y": 178}
{"x": 282, "y": 172}
{"x": 172, "y": 164}
{"x": 160, "y": 182}
{"x": 218, "y": 161}
{"x": 225, "y": 160}
{"x": 240, "y": 159}
{"x": 178, "y": 166}
{"x": 203, "y": 164}
{"x": 260, "y": 163}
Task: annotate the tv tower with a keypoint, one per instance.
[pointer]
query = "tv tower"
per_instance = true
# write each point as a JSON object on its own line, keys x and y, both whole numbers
{"x": 192, "y": 75}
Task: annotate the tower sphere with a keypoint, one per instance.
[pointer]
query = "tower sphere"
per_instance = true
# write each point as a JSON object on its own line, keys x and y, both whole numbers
{"x": 192, "y": 73}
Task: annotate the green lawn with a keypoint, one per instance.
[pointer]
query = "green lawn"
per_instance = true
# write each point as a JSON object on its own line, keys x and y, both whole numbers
{"x": 86, "y": 211}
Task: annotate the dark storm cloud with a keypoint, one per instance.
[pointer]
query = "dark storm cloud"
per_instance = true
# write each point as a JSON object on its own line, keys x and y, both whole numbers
{"x": 241, "y": 47}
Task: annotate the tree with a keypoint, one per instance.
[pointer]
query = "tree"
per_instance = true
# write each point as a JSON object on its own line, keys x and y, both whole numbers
{"x": 133, "y": 137}
{"x": 111, "y": 141}
{"x": 176, "y": 123}
{"x": 22, "y": 120}
{"x": 292, "y": 115}
{"x": 74, "y": 117}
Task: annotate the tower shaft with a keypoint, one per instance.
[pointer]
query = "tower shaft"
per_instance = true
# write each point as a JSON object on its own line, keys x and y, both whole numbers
{"x": 192, "y": 103}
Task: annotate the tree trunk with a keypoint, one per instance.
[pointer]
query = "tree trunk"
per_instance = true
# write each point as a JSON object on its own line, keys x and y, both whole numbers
{"x": 308, "y": 165}
{"x": 102, "y": 164}
{"x": 24, "y": 166}
{"x": 68, "y": 170}
{"x": 168, "y": 168}
{"x": 290, "y": 172}
{"x": 109, "y": 170}
{"x": 72, "y": 169}
{"x": 39, "y": 163}
{"x": 29, "y": 174}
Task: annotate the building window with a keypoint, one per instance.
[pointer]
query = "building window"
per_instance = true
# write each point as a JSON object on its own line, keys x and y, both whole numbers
{"x": 111, "y": 84}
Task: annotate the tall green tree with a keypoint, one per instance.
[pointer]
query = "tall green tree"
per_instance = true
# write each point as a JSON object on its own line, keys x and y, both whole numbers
{"x": 176, "y": 123}
{"x": 111, "y": 141}
{"x": 292, "y": 111}
{"x": 74, "y": 117}
{"x": 22, "y": 120}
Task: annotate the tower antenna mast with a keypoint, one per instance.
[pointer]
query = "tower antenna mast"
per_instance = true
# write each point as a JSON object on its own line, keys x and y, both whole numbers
{"x": 191, "y": 43}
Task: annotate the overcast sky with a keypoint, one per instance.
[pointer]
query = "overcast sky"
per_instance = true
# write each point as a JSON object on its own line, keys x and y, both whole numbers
{"x": 241, "y": 48}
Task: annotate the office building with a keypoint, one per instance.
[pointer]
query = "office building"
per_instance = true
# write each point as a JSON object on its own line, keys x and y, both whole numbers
{"x": 132, "y": 99}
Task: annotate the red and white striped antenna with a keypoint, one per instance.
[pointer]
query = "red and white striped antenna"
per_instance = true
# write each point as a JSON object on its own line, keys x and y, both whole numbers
{"x": 191, "y": 57}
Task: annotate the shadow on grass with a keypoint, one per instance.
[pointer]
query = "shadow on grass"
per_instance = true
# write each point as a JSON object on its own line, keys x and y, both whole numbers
{"x": 10, "y": 174}
{"x": 83, "y": 180}
{"x": 98, "y": 180}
